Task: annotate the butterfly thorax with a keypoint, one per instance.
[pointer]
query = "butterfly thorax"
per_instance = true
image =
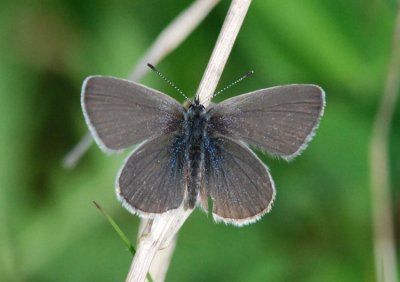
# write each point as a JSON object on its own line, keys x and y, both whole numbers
{"x": 195, "y": 134}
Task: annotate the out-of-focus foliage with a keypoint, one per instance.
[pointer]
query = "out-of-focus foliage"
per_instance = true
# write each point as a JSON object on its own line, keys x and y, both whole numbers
{"x": 320, "y": 226}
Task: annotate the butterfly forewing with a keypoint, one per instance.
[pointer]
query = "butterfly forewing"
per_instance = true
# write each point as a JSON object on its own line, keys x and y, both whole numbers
{"x": 152, "y": 178}
{"x": 280, "y": 120}
{"x": 238, "y": 183}
{"x": 121, "y": 113}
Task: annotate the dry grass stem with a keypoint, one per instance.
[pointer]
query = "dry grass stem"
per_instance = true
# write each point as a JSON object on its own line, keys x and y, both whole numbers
{"x": 71, "y": 159}
{"x": 161, "y": 231}
{"x": 384, "y": 244}
{"x": 222, "y": 49}
{"x": 173, "y": 35}
{"x": 159, "y": 266}
{"x": 157, "y": 235}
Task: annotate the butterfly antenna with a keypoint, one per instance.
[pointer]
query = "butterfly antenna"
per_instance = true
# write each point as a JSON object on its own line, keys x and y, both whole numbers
{"x": 246, "y": 75}
{"x": 153, "y": 68}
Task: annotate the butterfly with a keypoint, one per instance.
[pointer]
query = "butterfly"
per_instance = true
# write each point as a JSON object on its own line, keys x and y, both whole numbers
{"x": 199, "y": 155}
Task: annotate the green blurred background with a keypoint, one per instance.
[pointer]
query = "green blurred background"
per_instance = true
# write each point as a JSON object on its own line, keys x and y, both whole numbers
{"x": 320, "y": 226}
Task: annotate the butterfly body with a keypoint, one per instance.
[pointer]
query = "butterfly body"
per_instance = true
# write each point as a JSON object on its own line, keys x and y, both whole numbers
{"x": 190, "y": 156}
{"x": 196, "y": 121}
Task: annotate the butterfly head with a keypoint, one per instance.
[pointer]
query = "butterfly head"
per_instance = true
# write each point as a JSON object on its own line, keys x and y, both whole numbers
{"x": 195, "y": 110}
{"x": 195, "y": 105}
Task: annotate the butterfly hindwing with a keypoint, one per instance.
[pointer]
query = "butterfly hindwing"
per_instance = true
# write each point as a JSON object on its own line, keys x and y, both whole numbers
{"x": 237, "y": 182}
{"x": 152, "y": 180}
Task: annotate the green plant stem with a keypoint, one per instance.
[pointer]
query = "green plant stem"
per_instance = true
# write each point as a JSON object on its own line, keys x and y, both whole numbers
{"x": 120, "y": 233}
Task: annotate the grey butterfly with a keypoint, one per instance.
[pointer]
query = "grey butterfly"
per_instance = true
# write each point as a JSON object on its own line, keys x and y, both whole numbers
{"x": 192, "y": 155}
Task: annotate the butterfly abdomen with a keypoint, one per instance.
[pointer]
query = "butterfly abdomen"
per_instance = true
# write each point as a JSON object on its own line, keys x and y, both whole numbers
{"x": 196, "y": 157}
